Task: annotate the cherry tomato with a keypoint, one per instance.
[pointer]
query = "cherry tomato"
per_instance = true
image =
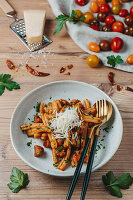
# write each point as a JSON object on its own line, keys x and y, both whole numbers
{"x": 129, "y": 20}
{"x": 93, "y": 61}
{"x": 105, "y": 8}
{"x": 81, "y": 2}
{"x": 123, "y": 13}
{"x": 118, "y": 27}
{"x": 116, "y": 9}
{"x": 117, "y": 44}
{"x": 104, "y": 45}
{"x": 95, "y": 27}
{"x": 92, "y": 46}
{"x": 131, "y": 11}
{"x": 130, "y": 59}
{"x": 110, "y": 20}
{"x": 78, "y": 14}
{"x": 88, "y": 17}
{"x": 115, "y": 2}
{"x": 94, "y": 6}
{"x": 101, "y": 1}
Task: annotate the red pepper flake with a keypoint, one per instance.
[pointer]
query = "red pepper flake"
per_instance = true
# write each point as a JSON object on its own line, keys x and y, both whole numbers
{"x": 35, "y": 72}
{"x": 68, "y": 73}
{"x": 119, "y": 88}
{"x": 62, "y": 70}
{"x": 129, "y": 89}
{"x": 70, "y": 66}
{"x": 37, "y": 66}
{"x": 111, "y": 78}
{"x": 10, "y": 65}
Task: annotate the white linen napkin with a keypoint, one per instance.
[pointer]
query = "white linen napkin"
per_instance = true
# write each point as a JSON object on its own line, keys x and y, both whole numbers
{"x": 82, "y": 34}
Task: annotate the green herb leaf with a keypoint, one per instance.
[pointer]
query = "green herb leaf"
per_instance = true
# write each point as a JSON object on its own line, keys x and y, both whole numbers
{"x": 61, "y": 19}
{"x": 6, "y": 83}
{"x": 112, "y": 60}
{"x": 124, "y": 181}
{"x": 119, "y": 60}
{"x": 114, "y": 185}
{"x": 115, "y": 191}
{"x": 37, "y": 107}
{"x": 18, "y": 180}
{"x": 55, "y": 165}
{"x": 29, "y": 143}
{"x": 60, "y": 149}
{"x": 59, "y": 26}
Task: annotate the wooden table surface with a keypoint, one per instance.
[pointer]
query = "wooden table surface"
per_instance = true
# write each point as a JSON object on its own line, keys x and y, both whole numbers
{"x": 61, "y": 52}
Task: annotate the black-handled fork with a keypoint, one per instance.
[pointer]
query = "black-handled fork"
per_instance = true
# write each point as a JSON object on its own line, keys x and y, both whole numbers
{"x": 104, "y": 111}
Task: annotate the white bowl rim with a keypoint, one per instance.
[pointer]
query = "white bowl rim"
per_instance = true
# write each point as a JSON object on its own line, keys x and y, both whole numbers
{"x": 59, "y": 82}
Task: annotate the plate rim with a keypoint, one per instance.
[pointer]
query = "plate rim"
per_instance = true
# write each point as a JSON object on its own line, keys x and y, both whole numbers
{"x": 57, "y": 82}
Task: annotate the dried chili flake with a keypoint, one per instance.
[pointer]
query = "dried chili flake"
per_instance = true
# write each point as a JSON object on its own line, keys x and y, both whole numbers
{"x": 35, "y": 72}
{"x": 37, "y": 66}
{"x": 111, "y": 78}
{"x": 119, "y": 88}
{"x": 70, "y": 66}
{"x": 62, "y": 70}
{"x": 68, "y": 73}
{"x": 129, "y": 89}
{"x": 10, "y": 65}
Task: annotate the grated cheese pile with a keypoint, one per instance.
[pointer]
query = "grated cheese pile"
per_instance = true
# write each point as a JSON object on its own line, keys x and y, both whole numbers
{"x": 65, "y": 122}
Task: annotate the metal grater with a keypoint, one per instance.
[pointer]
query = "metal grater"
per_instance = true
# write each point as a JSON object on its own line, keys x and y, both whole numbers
{"x": 18, "y": 27}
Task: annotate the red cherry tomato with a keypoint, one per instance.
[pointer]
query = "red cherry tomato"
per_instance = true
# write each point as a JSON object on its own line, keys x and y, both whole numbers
{"x": 95, "y": 27}
{"x": 109, "y": 20}
{"x": 131, "y": 10}
{"x": 105, "y": 8}
{"x": 118, "y": 27}
{"x": 81, "y": 2}
{"x": 123, "y": 13}
{"x": 117, "y": 44}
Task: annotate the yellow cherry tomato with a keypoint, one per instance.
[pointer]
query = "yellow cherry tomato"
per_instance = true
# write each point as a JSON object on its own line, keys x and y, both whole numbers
{"x": 115, "y": 2}
{"x": 116, "y": 9}
{"x": 93, "y": 61}
{"x": 101, "y": 1}
{"x": 130, "y": 59}
{"x": 78, "y": 14}
{"x": 88, "y": 17}
{"x": 92, "y": 46}
{"x": 94, "y": 6}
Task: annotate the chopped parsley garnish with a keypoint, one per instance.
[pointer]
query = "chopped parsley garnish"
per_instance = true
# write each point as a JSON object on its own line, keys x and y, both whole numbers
{"x": 37, "y": 107}
{"x": 60, "y": 149}
{"x": 89, "y": 113}
{"x": 29, "y": 143}
{"x": 106, "y": 129}
{"x": 50, "y": 98}
{"x": 55, "y": 165}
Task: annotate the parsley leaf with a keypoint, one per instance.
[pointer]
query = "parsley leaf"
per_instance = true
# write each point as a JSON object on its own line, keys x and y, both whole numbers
{"x": 29, "y": 143}
{"x": 37, "y": 107}
{"x": 112, "y": 60}
{"x": 62, "y": 19}
{"x": 18, "y": 180}
{"x": 114, "y": 184}
{"x": 6, "y": 83}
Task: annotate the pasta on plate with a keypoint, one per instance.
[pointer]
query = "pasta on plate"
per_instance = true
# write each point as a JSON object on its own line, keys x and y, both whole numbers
{"x": 64, "y": 127}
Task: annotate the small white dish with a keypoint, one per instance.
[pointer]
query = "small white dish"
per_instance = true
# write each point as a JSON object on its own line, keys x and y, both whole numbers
{"x": 24, "y": 112}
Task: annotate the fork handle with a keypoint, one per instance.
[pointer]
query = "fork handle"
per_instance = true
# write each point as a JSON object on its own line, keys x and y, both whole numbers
{"x": 89, "y": 168}
{"x": 7, "y": 9}
{"x": 78, "y": 169}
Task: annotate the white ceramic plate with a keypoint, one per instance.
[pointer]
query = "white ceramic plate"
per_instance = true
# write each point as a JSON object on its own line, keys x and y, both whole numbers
{"x": 109, "y": 140}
